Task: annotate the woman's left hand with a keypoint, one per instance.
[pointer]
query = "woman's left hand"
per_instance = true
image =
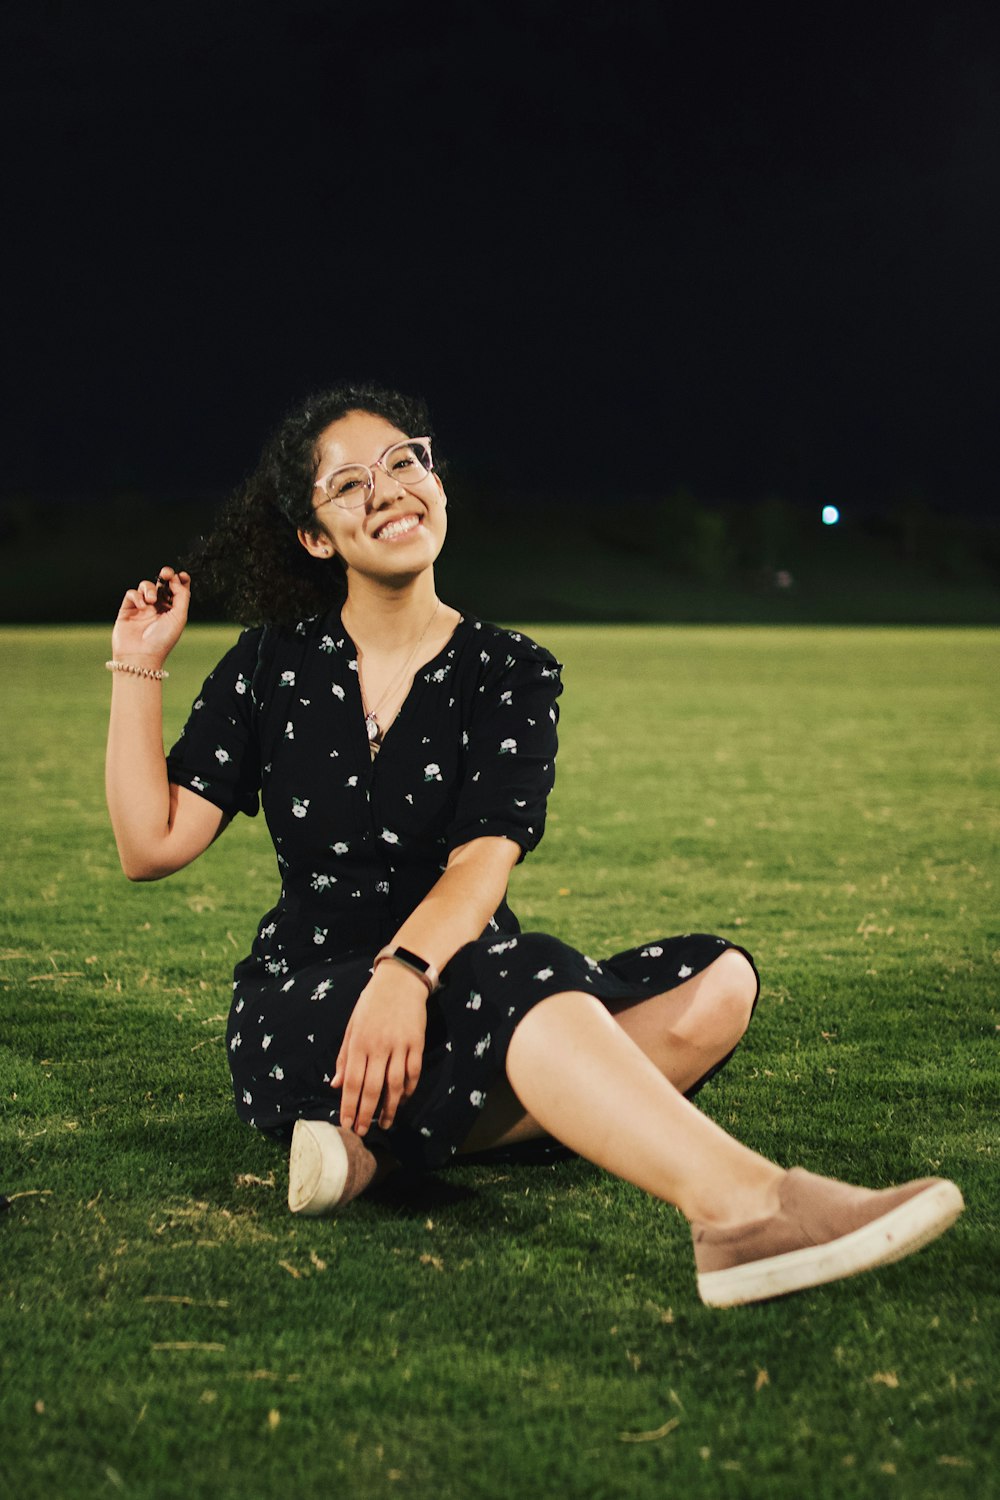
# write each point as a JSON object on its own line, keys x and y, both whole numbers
{"x": 383, "y": 1047}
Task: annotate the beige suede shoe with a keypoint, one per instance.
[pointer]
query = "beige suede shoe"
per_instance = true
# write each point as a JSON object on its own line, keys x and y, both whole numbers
{"x": 327, "y": 1167}
{"x": 824, "y": 1230}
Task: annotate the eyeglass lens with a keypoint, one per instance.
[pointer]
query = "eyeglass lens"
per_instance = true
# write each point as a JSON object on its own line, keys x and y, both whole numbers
{"x": 352, "y": 485}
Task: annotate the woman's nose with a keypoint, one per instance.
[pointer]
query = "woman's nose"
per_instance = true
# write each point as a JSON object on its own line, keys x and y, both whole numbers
{"x": 387, "y": 487}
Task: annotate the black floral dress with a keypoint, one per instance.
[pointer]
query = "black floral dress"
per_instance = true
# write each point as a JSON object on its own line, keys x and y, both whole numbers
{"x": 359, "y": 844}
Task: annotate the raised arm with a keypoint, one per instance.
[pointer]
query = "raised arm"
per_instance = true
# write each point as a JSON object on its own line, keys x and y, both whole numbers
{"x": 158, "y": 827}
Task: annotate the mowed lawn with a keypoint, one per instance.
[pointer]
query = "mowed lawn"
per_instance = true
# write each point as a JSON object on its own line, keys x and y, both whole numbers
{"x": 825, "y": 796}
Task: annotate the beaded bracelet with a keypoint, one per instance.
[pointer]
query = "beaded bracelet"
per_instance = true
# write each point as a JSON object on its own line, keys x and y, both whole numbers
{"x": 126, "y": 666}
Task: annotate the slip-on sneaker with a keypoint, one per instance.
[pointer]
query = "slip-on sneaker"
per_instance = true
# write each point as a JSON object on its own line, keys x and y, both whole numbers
{"x": 327, "y": 1167}
{"x": 823, "y": 1230}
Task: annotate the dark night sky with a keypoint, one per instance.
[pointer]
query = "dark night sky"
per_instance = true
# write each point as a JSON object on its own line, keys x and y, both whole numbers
{"x": 614, "y": 245}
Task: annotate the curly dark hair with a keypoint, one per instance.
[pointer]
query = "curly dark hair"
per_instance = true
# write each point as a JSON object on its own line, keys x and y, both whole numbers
{"x": 252, "y": 562}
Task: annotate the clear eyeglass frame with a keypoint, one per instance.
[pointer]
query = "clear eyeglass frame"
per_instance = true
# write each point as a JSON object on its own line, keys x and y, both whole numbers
{"x": 365, "y": 475}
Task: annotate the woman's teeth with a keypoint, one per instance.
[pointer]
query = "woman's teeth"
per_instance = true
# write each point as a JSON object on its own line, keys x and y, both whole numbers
{"x": 396, "y": 528}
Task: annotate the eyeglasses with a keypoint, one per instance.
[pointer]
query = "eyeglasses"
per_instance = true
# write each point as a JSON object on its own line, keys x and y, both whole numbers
{"x": 353, "y": 485}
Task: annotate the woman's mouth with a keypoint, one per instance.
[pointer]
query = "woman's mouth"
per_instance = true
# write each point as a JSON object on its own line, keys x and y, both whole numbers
{"x": 401, "y": 526}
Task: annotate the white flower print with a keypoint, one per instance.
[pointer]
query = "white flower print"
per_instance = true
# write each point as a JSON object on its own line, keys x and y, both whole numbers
{"x": 409, "y": 796}
{"x": 321, "y": 882}
{"x": 239, "y": 1005}
{"x": 485, "y": 656}
{"x": 277, "y": 1072}
{"x": 337, "y": 691}
{"x": 508, "y": 747}
{"x": 290, "y": 731}
{"x": 287, "y": 679}
{"x": 684, "y": 971}
{"x": 311, "y": 1037}
{"x": 266, "y": 1042}
{"x": 351, "y": 781}
{"x": 653, "y": 953}
{"x": 241, "y": 684}
{"x": 432, "y": 772}
{"x": 300, "y": 806}
{"x": 305, "y": 702}
{"x": 506, "y": 697}
{"x": 277, "y": 966}
{"x": 477, "y": 1098}
{"x": 474, "y": 1001}
{"x": 502, "y": 947}
{"x": 591, "y": 962}
{"x": 320, "y": 934}
{"x": 339, "y": 848}
{"x": 383, "y": 887}
{"x": 237, "y": 1041}
{"x": 353, "y": 665}
{"x": 287, "y": 986}
{"x": 222, "y": 756}
{"x": 519, "y": 802}
{"x": 481, "y": 1047}
{"x": 465, "y": 737}
{"x": 321, "y": 989}
{"x": 425, "y": 1131}
{"x": 326, "y": 644}
{"x": 198, "y": 784}
{"x": 199, "y": 703}
{"x": 388, "y": 837}
{"x": 545, "y": 974}
{"x": 269, "y": 930}
{"x": 247, "y": 1097}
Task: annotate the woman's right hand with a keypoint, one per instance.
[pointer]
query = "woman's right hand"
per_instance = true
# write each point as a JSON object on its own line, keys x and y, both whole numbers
{"x": 151, "y": 619}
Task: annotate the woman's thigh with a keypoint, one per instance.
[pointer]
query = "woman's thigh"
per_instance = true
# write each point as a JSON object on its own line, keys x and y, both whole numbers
{"x": 686, "y": 1032}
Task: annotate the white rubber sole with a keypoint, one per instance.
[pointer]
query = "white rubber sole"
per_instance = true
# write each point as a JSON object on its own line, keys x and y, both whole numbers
{"x": 894, "y": 1235}
{"x": 317, "y": 1168}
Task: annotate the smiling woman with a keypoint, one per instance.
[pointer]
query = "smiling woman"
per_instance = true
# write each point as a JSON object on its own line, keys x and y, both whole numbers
{"x": 391, "y": 1011}
{"x": 252, "y": 561}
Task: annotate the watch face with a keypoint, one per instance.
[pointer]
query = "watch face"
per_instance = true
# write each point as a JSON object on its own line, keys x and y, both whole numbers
{"x": 412, "y": 959}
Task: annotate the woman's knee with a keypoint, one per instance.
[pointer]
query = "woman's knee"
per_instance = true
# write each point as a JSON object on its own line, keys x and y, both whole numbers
{"x": 725, "y": 1002}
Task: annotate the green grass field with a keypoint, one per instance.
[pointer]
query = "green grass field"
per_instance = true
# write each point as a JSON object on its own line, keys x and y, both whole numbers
{"x": 827, "y": 797}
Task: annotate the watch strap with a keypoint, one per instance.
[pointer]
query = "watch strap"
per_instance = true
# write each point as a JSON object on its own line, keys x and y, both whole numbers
{"x": 413, "y": 962}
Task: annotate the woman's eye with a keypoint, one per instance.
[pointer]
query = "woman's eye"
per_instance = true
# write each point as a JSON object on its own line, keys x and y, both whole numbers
{"x": 345, "y": 486}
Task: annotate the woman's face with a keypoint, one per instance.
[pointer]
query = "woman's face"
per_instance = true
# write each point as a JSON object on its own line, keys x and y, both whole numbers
{"x": 400, "y": 530}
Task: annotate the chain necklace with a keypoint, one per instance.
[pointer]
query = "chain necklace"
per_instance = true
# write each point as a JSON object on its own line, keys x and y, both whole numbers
{"x": 372, "y": 727}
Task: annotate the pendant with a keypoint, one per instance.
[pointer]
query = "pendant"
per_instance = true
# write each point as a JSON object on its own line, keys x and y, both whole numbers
{"x": 374, "y": 732}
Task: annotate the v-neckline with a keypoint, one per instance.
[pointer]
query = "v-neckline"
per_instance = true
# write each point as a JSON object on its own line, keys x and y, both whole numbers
{"x": 369, "y": 760}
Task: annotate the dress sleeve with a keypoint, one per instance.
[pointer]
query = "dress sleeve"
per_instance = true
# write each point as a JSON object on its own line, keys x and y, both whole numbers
{"x": 509, "y": 749}
{"x": 217, "y": 755}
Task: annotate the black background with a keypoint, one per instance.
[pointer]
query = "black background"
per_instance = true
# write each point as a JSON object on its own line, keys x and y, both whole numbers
{"x": 619, "y": 248}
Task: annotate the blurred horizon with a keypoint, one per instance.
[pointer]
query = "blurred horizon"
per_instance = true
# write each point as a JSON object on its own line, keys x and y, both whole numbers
{"x": 667, "y": 557}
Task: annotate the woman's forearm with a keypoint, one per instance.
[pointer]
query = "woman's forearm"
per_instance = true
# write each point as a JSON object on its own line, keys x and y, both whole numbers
{"x": 138, "y": 791}
{"x": 459, "y": 905}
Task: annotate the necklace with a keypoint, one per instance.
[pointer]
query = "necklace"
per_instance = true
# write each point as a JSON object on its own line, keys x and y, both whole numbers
{"x": 372, "y": 727}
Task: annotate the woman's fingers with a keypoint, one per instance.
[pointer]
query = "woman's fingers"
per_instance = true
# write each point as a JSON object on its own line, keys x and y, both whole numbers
{"x": 395, "y": 1081}
{"x": 371, "y": 1093}
{"x": 337, "y": 1080}
{"x": 414, "y": 1064}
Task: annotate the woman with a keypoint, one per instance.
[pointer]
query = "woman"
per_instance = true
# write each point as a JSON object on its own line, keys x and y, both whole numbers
{"x": 391, "y": 1010}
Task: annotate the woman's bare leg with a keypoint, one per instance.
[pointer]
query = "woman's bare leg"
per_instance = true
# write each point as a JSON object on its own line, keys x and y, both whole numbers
{"x": 684, "y": 1032}
{"x": 606, "y": 1100}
